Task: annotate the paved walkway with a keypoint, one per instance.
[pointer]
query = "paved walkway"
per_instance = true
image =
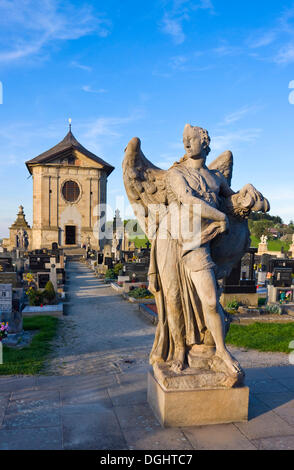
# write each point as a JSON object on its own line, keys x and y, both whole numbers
{"x": 96, "y": 397}
{"x": 100, "y": 331}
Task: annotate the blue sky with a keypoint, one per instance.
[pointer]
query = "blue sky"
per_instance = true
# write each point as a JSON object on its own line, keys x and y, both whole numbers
{"x": 144, "y": 68}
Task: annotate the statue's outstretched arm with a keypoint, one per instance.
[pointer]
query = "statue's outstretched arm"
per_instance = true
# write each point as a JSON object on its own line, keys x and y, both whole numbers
{"x": 185, "y": 195}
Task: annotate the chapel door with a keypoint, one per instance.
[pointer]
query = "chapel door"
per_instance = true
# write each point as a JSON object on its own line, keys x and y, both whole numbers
{"x": 70, "y": 235}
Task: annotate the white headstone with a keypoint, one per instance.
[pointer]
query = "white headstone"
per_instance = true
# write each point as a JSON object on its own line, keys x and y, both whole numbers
{"x": 5, "y": 298}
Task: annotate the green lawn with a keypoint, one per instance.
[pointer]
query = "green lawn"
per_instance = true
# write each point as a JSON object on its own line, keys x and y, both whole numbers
{"x": 273, "y": 245}
{"x": 30, "y": 359}
{"x": 262, "y": 336}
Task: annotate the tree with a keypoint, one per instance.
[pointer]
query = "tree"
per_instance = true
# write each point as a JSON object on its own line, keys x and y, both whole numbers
{"x": 260, "y": 227}
{"x": 260, "y": 216}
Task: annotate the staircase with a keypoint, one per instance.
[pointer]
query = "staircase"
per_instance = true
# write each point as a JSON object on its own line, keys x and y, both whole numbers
{"x": 74, "y": 253}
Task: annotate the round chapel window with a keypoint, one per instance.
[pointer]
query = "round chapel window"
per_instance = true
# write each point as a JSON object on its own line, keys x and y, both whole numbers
{"x": 70, "y": 191}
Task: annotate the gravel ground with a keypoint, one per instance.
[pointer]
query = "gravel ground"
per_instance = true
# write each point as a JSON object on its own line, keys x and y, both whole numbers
{"x": 102, "y": 333}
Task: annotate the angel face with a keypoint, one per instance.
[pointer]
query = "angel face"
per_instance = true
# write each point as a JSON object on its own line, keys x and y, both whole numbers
{"x": 196, "y": 142}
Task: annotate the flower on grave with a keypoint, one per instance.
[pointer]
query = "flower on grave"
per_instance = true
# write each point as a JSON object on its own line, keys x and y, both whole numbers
{"x": 3, "y": 330}
{"x": 29, "y": 277}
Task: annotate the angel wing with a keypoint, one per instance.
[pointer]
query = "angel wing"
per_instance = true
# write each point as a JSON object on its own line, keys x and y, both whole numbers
{"x": 224, "y": 164}
{"x": 144, "y": 183}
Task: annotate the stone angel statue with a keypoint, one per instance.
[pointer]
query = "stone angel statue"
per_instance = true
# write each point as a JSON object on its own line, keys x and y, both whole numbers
{"x": 185, "y": 267}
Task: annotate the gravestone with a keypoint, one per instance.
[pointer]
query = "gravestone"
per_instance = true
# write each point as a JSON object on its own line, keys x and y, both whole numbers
{"x": 9, "y": 278}
{"x": 137, "y": 270}
{"x": 6, "y": 264}
{"x": 5, "y": 300}
{"x": 38, "y": 261}
{"x": 42, "y": 279}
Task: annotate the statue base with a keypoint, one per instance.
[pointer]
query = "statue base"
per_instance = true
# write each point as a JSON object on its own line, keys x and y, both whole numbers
{"x": 194, "y": 399}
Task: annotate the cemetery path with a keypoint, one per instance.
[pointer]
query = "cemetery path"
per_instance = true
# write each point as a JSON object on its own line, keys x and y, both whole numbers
{"x": 100, "y": 333}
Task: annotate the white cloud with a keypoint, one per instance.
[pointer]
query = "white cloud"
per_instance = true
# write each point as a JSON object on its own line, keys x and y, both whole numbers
{"x": 264, "y": 39}
{"x": 89, "y": 89}
{"x": 178, "y": 62}
{"x": 280, "y": 36}
{"x": 173, "y": 27}
{"x": 81, "y": 66}
{"x": 228, "y": 140}
{"x": 27, "y": 26}
{"x": 285, "y": 55}
{"x": 179, "y": 12}
{"x": 109, "y": 126}
{"x": 240, "y": 113}
{"x": 226, "y": 50}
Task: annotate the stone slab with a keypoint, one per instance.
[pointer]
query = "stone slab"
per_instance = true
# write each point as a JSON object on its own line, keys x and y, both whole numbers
{"x": 275, "y": 443}
{"x": 197, "y": 407}
{"x": 38, "y": 438}
{"x": 148, "y": 313}
{"x": 52, "y": 310}
{"x": 220, "y": 437}
{"x": 245, "y": 299}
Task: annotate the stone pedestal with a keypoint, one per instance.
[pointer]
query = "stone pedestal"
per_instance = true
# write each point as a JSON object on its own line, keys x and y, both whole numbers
{"x": 262, "y": 248}
{"x": 197, "y": 406}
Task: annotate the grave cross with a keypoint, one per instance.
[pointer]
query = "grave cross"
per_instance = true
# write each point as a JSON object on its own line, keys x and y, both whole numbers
{"x": 53, "y": 275}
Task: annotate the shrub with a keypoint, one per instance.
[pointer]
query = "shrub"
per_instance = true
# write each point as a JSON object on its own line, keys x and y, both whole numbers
{"x": 117, "y": 268}
{"x": 49, "y": 292}
{"x": 273, "y": 309}
{"x": 36, "y": 297}
{"x": 110, "y": 274}
{"x": 140, "y": 293}
{"x": 261, "y": 301}
{"x": 233, "y": 304}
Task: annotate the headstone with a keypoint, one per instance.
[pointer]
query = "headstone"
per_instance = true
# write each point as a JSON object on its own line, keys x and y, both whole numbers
{"x": 123, "y": 278}
{"x": 5, "y": 299}
{"x": 42, "y": 279}
{"x": 261, "y": 276}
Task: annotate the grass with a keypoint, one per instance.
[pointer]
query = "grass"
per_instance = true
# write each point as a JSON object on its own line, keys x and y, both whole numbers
{"x": 273, "y": 245}
{"x": 30, "y": 359}
{"x": 274, "y": 337}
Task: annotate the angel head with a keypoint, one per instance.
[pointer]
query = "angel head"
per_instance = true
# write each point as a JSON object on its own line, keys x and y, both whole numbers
{"x": 196, "y": 141}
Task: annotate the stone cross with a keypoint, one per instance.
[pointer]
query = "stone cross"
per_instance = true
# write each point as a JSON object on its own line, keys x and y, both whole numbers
{"x": 53, "y": 274}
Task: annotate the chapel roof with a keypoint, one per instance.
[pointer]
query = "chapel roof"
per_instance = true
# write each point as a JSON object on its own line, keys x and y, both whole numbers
{"x": 69, "y": 143}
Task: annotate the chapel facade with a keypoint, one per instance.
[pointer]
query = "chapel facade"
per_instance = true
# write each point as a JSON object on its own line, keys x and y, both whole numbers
{"x": 69, "y": 182}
